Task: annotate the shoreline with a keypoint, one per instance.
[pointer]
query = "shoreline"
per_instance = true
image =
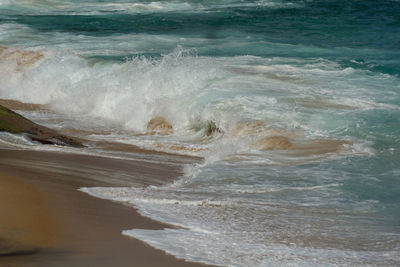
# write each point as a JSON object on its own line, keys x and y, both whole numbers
{"x": 61, "y": 226}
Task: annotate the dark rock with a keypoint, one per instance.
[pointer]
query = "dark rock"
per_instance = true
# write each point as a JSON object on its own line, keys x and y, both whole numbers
{"x": 12, "y": 122}
{"x": 212, "y": 128}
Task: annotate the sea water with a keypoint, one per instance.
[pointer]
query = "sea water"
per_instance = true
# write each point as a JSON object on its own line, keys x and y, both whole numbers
{"x": 294, "y": 106}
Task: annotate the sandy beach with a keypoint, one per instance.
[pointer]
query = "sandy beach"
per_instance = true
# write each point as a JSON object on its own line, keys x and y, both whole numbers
{"x": 46, "y": 221}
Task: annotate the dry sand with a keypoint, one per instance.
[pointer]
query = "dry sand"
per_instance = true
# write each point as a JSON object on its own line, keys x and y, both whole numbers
{"x": 45, "y": 221}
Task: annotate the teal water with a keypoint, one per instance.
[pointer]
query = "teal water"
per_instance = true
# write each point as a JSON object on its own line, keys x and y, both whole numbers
{"x": 323, "y": 74}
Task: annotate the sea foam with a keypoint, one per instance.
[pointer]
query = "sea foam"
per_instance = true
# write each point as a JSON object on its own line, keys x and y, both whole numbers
{"x": 238, "y": 232}
{"x": 214, "y": 106}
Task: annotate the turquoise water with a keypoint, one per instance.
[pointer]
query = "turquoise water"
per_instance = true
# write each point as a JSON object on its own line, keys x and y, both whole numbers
{"x": 323, "y": 75}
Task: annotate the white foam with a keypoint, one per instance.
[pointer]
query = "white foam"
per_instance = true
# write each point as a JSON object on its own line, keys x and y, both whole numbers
{"x": 72, "y": 7}
{"x": 241, "y": 233}
{"x": 92, "y": 8}
{"x": 15, "y": 140}
{"x": 5, "y": 2}
{"x": 190, "y": 92}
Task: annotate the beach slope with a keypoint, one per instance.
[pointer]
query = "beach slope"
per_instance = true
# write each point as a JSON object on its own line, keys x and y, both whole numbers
{"x": 46, "y": 221}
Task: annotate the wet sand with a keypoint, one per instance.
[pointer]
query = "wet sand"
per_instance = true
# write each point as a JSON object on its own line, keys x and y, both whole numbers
{"x": 46, "y": 221}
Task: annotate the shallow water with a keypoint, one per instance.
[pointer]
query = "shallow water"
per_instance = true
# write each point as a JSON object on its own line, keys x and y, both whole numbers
{"x": 294, "y": 106}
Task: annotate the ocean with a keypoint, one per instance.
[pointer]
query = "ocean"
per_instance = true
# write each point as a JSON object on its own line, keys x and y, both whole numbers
{"x": 293, "y": 106}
